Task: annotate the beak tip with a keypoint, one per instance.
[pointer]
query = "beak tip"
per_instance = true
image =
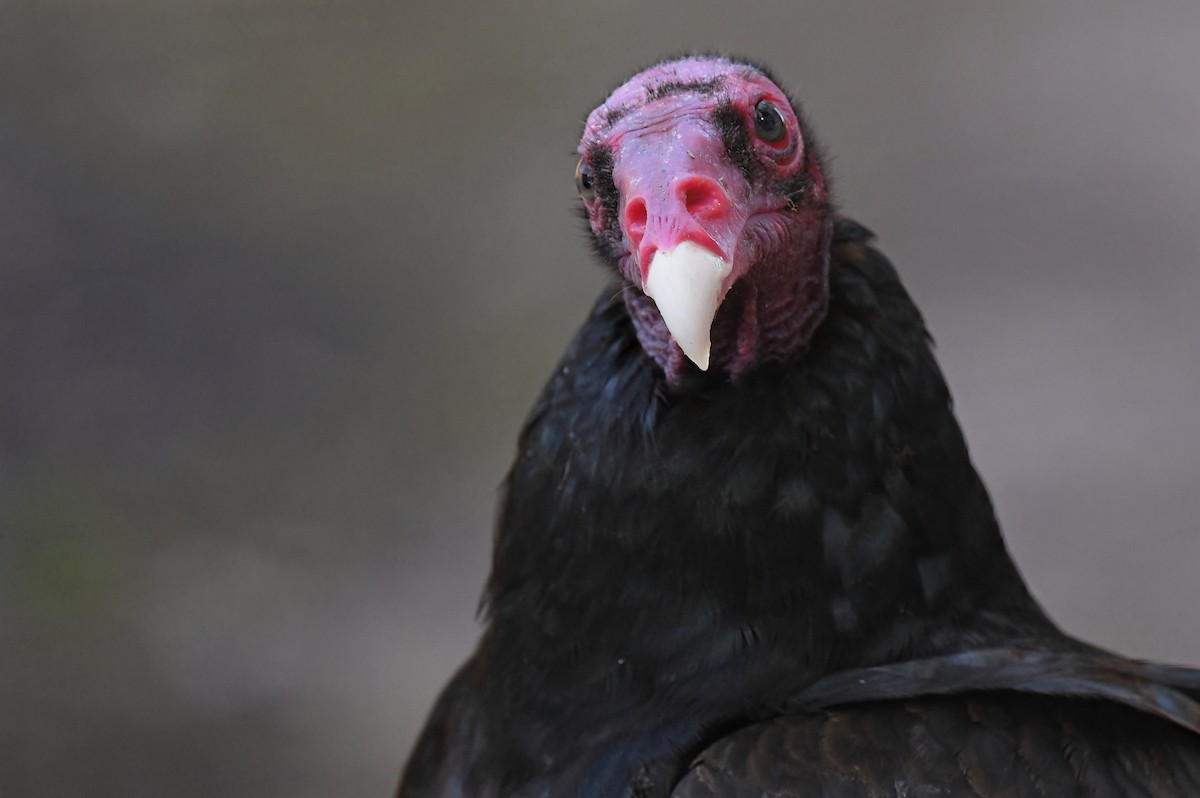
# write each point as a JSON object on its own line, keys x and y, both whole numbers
{"x": 685, "y": 283}
{"x": 699, "y": 358}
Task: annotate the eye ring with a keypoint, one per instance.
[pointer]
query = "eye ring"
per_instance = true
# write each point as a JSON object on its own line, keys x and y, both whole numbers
{"x": 585, "y": 181}
{"x": 768, "y": 122}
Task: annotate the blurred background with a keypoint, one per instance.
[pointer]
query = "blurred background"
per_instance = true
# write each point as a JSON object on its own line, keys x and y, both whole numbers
{"x": 279, "y": 280}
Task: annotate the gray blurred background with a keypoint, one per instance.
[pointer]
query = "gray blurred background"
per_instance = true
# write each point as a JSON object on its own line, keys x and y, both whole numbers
{"x": 279, "y": 280}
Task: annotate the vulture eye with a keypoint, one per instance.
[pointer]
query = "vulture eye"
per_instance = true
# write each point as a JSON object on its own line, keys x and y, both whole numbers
{"x": 768, "y": 122}
{"x": 585, "y": 181}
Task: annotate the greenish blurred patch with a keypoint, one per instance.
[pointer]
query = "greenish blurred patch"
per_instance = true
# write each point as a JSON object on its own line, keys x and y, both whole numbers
{"x": 70, "y": 559}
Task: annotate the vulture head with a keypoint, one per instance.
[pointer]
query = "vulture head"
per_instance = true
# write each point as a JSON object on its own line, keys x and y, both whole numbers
{"x": 703, "y": 188}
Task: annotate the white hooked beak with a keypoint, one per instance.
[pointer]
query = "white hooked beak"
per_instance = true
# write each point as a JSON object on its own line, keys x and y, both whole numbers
{"x": 686, "y": 284}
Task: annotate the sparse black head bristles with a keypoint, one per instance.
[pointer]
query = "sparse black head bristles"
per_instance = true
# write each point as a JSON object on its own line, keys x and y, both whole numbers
{"x": 601, "y": 160}
{"x": 614, "y": 116}
{"x": 672, "y": 87}
{"x": 608, "y": 242}
{"x": 737, "y": 141}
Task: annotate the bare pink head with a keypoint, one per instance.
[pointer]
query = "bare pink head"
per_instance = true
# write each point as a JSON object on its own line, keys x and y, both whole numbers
{"x": 709, "y": 153}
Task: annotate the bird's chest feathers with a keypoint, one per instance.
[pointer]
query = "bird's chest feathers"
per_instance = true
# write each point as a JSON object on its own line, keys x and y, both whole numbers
{"x": 678, "y": 563}
{"x": 689, "y": 539}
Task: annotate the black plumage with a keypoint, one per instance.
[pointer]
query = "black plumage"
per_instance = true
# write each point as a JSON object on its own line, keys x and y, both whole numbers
{"x": 790, "y": 582}
{"x": 986, "y": 744}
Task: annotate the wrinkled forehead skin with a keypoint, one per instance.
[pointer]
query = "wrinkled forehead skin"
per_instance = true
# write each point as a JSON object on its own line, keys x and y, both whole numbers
{"x": 653, "y": 94}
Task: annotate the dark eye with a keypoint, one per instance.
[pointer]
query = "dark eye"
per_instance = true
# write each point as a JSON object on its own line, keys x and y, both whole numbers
{"x": 768, "y": 122}
{"x": 585, "y": 181}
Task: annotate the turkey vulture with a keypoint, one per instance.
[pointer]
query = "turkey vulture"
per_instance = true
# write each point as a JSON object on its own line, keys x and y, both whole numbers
{"x": 743, "y": 550}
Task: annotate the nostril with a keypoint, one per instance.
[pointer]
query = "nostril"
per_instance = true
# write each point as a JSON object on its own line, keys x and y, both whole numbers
{"x": 703, "y": 197}
{"x": 635, "y": 219}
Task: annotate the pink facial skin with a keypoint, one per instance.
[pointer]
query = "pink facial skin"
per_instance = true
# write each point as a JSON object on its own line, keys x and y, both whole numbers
{"x": 688, "y": 163}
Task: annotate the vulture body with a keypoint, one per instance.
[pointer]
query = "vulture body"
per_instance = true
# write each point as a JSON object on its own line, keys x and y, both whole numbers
{"x": 743, "y": 550}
